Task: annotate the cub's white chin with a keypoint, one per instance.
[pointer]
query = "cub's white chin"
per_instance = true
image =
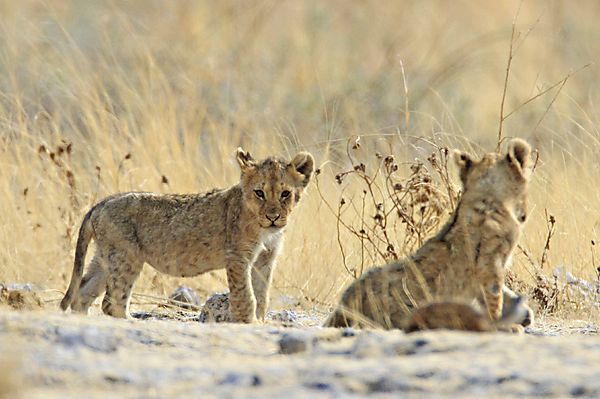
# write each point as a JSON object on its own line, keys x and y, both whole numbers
{"x": 270, "y": 234}
{"x": 272, "y": 229}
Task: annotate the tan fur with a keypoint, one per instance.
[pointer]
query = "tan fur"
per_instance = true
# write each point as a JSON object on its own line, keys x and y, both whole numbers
{"x": 464, "y": 262}
{"x": 465, "y": 316}
{"x": 239, "y": 229}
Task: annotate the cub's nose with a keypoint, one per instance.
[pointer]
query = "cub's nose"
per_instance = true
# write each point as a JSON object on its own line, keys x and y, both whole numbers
{"x": 272, "y": 216}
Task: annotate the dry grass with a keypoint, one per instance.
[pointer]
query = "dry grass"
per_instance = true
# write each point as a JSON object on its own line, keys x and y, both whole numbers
{"x": 99, "y": 97}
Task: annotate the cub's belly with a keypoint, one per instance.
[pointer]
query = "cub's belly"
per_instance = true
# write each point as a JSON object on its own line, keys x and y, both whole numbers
{"x": 186, "y": 265}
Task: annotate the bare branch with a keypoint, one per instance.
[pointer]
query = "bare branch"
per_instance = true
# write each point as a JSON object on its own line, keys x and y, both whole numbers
{"x": 507, "y": 74}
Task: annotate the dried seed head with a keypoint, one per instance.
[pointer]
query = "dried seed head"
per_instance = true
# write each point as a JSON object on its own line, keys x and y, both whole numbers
{"x": 432, "y": 159}
{"x": 361, "y": 167}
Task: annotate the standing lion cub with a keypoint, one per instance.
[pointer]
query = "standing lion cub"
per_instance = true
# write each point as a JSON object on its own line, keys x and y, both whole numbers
{"x": 464, "y": 262}
{"x": 239, "y": 229}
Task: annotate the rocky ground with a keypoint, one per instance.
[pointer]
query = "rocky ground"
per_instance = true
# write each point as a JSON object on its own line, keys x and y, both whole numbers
{"x": 165, "y": 353}
{"x": 46, "y": 354}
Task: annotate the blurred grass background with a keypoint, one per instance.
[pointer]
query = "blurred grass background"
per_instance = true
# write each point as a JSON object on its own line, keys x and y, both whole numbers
{"x": 100, "y": 97}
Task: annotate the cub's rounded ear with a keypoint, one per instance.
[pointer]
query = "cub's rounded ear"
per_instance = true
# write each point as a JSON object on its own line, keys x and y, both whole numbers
{"x": 244, "y": 159}
{"x": 464, "y": 162}
{"x": 518, "y": 154}
{"x": 462, "y": 159}
{"x": 303, "y": 166}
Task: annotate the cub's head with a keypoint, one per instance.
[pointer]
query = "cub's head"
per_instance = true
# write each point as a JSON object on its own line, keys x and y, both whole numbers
{"x": 499, "y": 177}
{"x": 272, "y": 187}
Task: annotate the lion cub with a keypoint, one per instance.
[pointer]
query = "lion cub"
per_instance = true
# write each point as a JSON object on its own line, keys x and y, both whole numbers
{"x": 239, "y": 229}
{"x": 465, "y": 261}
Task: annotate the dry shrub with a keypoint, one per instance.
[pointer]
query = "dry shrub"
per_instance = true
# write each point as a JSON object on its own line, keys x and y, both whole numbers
{"x": 560, "y": 294}
{"x": 387, "y": 208}
{"x": 556, "y": 292}
{"x": 20, "y": 299}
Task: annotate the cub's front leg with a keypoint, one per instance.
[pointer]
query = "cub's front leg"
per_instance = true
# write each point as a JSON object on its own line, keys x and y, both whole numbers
{"x": 242, "y": 303}
{"x": 493, "y": 251}
{"x": 262, "y": 273}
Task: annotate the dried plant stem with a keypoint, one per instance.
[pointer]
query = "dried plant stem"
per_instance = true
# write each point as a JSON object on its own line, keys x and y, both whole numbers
{"x": 511, "y": 53}
{"x": 339, "y": 239}
{"x": 561, "y": 84}
{"x": 506, "y": 76}
{"x": 551, "y": 221}
{"x": 406, "y": 111}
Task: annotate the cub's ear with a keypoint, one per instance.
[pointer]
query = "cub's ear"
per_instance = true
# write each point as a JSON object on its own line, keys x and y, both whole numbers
{"x": 244, "y": 159}
{"x": 302, "y": 167}
{"x": 464, "y": 162}
{"x": 518, "y": 154}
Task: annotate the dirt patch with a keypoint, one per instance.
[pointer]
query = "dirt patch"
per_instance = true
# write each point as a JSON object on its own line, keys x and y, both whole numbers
{"x": 69, "y": 356}
{"x": 10, "y": 376}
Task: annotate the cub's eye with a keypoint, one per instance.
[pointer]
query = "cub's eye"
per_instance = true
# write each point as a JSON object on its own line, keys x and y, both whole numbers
{"x": 285, "y": 194}
{"x": 260, "y": 194}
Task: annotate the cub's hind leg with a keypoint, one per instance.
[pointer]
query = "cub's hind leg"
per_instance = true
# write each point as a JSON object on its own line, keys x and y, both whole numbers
{"x": 123, "y": 270}
{"x": 92, "y": 284}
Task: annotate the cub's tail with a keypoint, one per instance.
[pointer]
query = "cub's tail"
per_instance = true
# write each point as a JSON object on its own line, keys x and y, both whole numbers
{"x": 83, "y": 240}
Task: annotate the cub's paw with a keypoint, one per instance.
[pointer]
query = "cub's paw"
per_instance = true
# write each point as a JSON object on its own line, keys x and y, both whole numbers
{"x": 529, "y": 318}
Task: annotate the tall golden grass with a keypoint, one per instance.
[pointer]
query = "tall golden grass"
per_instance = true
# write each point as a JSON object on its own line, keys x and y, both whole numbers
{"x": 100, "y": 97}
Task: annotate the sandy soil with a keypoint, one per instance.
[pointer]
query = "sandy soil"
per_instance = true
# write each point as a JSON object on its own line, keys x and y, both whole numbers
{"x": 47, "y": 354}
